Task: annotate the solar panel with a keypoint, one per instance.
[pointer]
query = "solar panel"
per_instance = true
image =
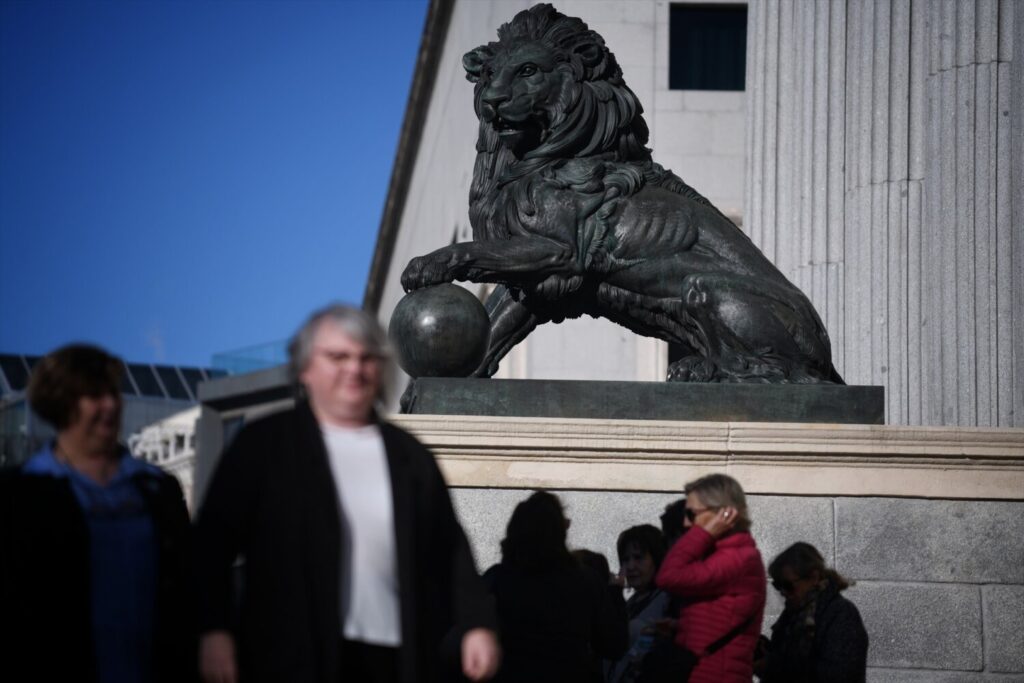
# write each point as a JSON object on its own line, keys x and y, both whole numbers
{"x": 145, "y": 380}
{"x": 192, "y": 377}
{"x": 127, "y": 388}
{"x": 172, "y": 383}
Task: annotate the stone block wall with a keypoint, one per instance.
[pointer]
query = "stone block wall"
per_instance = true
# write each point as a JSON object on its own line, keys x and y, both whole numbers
{"x": 940, "y": 583}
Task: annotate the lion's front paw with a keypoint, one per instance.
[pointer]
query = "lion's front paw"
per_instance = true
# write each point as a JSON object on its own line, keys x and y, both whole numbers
{"x": 424, "y": 271}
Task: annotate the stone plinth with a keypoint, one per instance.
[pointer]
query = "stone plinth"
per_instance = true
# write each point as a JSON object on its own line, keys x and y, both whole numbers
{"x": 828, "y": 403}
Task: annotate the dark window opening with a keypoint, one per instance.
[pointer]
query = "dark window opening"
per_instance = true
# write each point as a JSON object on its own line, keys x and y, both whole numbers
{"x": 707, "y": 47}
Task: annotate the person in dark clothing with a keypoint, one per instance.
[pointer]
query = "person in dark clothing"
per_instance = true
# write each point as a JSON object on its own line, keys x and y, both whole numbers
{"x": 819, "y": 637}
{"x": 355, "y": 565}
{"x": 595, "y": 562}
{"x": 598, "y": 565}
{"x": 94, "y": 581}
{"x": 641, "y": 550}
{"x": 553, "y": 614}
{"x": 672, "y": 521}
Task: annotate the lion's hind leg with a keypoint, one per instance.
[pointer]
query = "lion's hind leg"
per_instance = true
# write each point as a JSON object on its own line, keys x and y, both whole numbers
{"x": 754, "y": 331}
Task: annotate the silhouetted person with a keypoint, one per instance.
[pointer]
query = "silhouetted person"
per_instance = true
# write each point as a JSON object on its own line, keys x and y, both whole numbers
{"x": 356, "y": 567}
{"x": 554, "y": 614}
{"x": 716, "y": 569}
{"x": 94, "y": 577}
{"x": 598, "y": 564}
{"x": 672, "y": 521}
{"x": 819, "y": 637}
{"x": 595, "y": 562}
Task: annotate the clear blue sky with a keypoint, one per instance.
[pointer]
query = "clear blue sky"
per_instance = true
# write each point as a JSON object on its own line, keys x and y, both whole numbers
{"x": 183, "y": 178}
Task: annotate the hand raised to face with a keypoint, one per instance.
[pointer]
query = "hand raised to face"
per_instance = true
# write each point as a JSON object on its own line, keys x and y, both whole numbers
{"x": 719, "y": 524}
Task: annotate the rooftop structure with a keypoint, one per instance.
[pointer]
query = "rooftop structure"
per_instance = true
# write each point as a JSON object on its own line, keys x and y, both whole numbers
{"x": 170, "y": 444}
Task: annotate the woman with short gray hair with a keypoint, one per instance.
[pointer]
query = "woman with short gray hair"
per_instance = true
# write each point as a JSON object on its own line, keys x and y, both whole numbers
{"x": 356, "y": 567}
{"x": 355, "y": 322}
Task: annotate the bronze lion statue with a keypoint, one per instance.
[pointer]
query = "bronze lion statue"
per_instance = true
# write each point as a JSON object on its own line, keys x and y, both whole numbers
{"x": 571, "y": 216}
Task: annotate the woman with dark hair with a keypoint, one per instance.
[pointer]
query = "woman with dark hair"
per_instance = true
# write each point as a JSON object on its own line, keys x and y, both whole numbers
{"x": 641, "y": 550}
{"x": 554, "y": 615}
{"x": 717, "y": 572}
{"x": 819, "y": 636}
{"x": 94, "y": 581}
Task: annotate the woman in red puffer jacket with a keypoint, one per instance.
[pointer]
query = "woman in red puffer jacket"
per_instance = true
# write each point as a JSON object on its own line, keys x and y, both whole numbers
{"x": 717, "y": 572}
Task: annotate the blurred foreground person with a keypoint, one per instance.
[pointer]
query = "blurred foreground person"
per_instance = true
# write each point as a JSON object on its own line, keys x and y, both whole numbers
{"x": 94, "y": 576}
{"x": 555, "y": 615}
{"x": 716, "y": 569}
{"x": 355, "y": 567}
{"x": 819, "y": 637}
{"x": 641, "y": 550}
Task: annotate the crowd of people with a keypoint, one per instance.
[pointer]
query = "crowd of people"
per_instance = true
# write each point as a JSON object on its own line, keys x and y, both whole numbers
{"x": 327, "y": 549}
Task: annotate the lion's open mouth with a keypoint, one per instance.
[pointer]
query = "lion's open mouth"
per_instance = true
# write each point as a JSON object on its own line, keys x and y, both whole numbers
{"x": 505, "y": 127}
{"x": 519, "y": 136}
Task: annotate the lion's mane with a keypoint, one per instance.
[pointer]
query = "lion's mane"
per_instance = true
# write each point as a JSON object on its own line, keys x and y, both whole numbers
{"x": 597, "y": 116}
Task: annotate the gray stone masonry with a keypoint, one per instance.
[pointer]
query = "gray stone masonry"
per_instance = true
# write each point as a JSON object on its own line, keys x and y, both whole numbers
{"x": 926, "y": 676}
{"x": 1004, "y": 627}
{"x": 921, "y": 626}
{"x": 940, "y": 583}
{"x": 941, "y": 541}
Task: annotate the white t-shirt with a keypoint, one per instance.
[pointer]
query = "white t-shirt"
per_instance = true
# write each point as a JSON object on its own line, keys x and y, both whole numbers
{"x": 369, "y": 568}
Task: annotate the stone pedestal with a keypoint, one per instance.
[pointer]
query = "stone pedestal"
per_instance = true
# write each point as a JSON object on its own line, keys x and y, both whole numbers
{"x": 830, "y": 403}
{"x": 929, "y": 521}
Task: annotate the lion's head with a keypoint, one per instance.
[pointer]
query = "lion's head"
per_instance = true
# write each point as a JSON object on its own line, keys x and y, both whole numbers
{"x": 549, "y": 88}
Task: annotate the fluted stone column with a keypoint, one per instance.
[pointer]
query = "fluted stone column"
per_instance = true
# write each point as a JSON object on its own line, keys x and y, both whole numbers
{"x": 879, "y": 181}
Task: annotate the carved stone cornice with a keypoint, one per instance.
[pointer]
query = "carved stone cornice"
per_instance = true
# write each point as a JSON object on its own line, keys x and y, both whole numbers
{"x": 767, "y": 458}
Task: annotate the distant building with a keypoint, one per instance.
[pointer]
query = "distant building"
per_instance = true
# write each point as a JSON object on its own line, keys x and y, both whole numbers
{"x": 252, "y": 358}
{"x": 171, "y": 445}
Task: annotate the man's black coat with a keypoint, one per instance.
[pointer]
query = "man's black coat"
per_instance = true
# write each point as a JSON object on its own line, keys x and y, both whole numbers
{"x": 273, "y": 502}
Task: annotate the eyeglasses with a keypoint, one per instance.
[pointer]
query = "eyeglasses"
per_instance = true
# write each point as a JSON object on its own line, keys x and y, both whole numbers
{"x": 782, "y": 585}
{"x": 691, "y": 514}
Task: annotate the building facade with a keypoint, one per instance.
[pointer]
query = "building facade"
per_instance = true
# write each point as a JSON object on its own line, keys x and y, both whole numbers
{"x": 170, "y": 444}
